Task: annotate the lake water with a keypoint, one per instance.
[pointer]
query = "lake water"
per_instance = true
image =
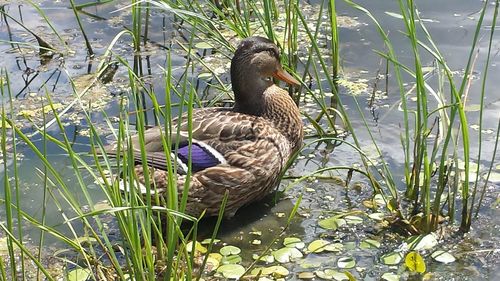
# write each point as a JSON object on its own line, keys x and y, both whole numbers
{"x": 452, "y": 25}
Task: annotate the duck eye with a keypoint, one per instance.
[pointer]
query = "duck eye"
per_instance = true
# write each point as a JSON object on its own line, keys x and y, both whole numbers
{"x": 268, "y": 78}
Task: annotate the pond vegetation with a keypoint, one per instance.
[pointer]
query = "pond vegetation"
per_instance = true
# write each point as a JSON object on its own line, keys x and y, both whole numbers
{"x": 398, "y": 177}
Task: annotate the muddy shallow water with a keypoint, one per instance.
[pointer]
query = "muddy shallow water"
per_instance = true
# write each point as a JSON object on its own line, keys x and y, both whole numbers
{"x": 452, "y": 25}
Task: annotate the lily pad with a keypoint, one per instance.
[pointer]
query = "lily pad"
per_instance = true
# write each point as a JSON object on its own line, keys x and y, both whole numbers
{"x": 306, "y": 275}
{"x": 334, "y": 247}
{"x": 231, "y": 271}
{"x": 392, "y": 258}
{"x": 346, "y": 262}
{"x": 369, "y": 244}
{"x": 276, "y": 271}
{"x": 422, "y": 242}
{"x": 317, "y": 246}
{"x": 353, "y": 220}
{"x": 266, "y": 258}
{"x": 209, "y": 240}
{"x": 331, "y": 274}
{"x": 443, "y": 257}
{"x": 79, "y": 274}
{"x": 494, "y": 177}
{"x": 389, "y": 276}
{"x": 414, "y": 262}
{"x": 203, "y": 45}
{"x": 229, "y": 250}
{"x": 332, "y": 223}
{"x": 377, "y": 216}
{"x": 293, "y": 242}
{"x": 286, "y": 254}
{"x": 232, "y": 259}
{"x": 197, "y": 247}
{"x": 213, "y": 261}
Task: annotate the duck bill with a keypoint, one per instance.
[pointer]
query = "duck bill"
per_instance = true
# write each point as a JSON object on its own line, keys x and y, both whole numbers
{"x": 285, "y": 76}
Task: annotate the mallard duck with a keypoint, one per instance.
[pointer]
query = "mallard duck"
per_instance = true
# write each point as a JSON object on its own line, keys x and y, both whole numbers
{"x": 242, "y": 150}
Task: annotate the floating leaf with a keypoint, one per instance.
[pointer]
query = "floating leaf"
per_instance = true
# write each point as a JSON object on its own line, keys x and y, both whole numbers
{"x": 79, "y": 274}
{"x": 379, "y": 199}
{"x": 414, "y": 262}
{"x": 389, "y": 276}
{"x": 203, "y": 45}
{"x": 197, "y": 247}
{"x": 346, "y": 262}
{"x": 256, "y": 242}
{"x": 209, "y": 240}
{"x": 369, "y": 244}
{"x": 376, "y": 216}
{"x": 334, "y": 247}
{"x": 229, "y": 250}
{"x": 317, "y": 246}
{"x": 330, "y": 274}
{"x": 293, "y": 242}
{"x": 286, "y": 254}
{"x": 232, "y": 259}
{"x": 213, "y": 261}
{"x": 494, "y": 177}
{"x": 231, "y": 271}
{"x": 205, "y": 75}
{"x": 422, "y": 242}
{"x": 332, "y": 223}
{"x": 442, "y": 256}
{"x": 353, "y": 219}
{"x": 306, "y": 275}
{"x": 276, "y": 271}
{"x": 392, "y": 258}
{"x": 266, "y": 258}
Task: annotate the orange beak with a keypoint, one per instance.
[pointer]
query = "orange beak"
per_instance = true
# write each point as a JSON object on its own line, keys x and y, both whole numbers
{"x": 285, "y": 76}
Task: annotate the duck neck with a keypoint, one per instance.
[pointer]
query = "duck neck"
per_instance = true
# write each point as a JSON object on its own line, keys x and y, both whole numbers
{"x": 281, "y": 110}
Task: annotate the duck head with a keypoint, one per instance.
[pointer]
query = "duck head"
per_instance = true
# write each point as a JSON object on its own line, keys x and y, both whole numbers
{"x": 255, "y": 63}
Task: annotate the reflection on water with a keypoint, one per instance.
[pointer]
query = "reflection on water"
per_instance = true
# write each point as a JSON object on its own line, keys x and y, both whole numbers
{"x": 451, "y": 24}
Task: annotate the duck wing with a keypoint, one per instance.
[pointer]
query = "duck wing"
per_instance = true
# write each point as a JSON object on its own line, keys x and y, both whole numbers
{"x": 216, "y": 133}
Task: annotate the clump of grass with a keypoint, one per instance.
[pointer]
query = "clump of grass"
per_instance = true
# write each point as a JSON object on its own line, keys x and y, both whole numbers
{"x": 429, "y": 138}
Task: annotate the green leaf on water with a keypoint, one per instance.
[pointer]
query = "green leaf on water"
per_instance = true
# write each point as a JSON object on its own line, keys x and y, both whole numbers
{"x": 443, "y": 257}
{"x": 293, "y": 242}
{"x": 414, "y": 262}
{"x": 346, "y": 262}
{"x": 232, "y": 259}
{"x": 331, "y": 274}
{"x": 229, "y": 250}
{"x": 392, "y": 258}
{"x": 353, "y": 219}
{"x": 276, "y": 271}
{"x": 494, "y": 177}
{"x": 203, "y": 45}
{"x": 377, "y": 216}
{"x": 317, "y": 246}
{"x": 205, "y": 75}
{"x": 266, "y": 258}
{"x": 422, "y": 242}
{"x": 197, "y": 247}
{"x": 369, "y": 244}
{"x": 306, "y": 275}
{"x": 231, "y": 271}
{"x": 79, "y": 274}
{"x": 286, "y": 254}
{"x": 332, "y": 223}
{"x": 389, "y": 276}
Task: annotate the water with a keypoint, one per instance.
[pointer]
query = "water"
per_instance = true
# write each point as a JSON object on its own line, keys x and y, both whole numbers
{"x": 451, "y": 24}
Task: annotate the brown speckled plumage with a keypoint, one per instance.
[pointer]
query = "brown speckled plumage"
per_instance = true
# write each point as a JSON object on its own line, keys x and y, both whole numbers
{"x": 257, "y": 137}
